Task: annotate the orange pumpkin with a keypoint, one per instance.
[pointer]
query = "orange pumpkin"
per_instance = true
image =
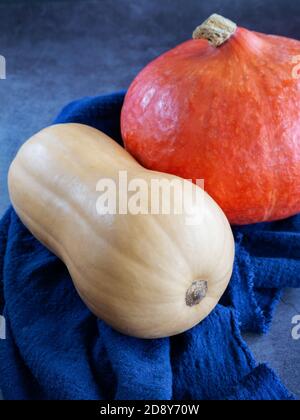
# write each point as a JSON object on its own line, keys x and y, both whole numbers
{"x": 223, "y": 107}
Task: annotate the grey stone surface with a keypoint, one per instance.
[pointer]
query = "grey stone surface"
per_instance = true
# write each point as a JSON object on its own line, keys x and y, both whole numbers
{"x": 57, "y": 51}
{"x": 278, "y": 348}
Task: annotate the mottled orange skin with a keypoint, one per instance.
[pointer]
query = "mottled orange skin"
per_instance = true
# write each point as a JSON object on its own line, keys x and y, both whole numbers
{"x": 228, "y": 115}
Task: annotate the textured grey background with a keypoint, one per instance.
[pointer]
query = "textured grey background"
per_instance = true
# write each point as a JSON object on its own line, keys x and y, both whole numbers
{"x": 57, "y": 51}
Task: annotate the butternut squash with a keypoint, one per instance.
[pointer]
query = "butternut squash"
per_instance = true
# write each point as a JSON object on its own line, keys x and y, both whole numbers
{"x": 147, "y": 275}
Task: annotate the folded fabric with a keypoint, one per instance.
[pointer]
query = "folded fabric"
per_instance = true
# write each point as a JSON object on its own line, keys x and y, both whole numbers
{"x": 56, "y": 349}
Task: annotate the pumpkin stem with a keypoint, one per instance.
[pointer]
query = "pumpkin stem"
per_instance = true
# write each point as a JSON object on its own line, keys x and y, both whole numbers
{"x": 196, "y": 292}
{"x": 216, "y": 30}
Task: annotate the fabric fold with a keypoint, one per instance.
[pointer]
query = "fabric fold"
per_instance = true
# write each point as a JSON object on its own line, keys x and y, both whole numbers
{"x": 261, "y": 384}
{"x": 254, "y": 306}
{"x": 274, "y": 255}
{"x": 4, "y": 226}
{"x": 210, "y": 358}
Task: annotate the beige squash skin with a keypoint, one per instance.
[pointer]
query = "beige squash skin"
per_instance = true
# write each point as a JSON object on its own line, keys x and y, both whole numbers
{"x": 132, "y": 271}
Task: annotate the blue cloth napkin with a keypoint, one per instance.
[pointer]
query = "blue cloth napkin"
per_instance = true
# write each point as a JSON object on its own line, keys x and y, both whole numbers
{"x": 56, "y": 349}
